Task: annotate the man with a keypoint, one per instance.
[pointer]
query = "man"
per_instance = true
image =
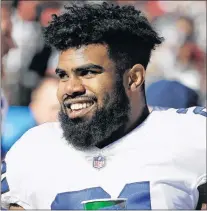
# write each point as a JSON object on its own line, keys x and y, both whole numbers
{"x": 107, "y": 144}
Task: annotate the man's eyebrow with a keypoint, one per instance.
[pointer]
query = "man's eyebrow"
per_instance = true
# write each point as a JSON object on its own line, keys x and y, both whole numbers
{"x": 86, "y": 66}
{"x": 89, "y": 66}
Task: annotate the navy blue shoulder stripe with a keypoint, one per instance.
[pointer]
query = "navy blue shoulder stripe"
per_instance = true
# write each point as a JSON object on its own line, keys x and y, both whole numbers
{"x": 3, "y": 167}
{"x": 4, "y": 186}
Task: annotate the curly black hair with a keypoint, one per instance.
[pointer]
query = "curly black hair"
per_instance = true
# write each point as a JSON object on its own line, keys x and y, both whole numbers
{"x": 127, "y": 33}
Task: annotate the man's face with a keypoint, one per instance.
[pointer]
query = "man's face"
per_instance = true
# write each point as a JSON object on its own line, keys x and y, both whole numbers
{"x": 6, "y": 28}
{"x": 92, "y": 96}
{"x": 87, "y": 76}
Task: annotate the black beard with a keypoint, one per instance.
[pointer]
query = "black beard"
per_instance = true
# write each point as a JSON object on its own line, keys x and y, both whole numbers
{"x": 107, "y": 123}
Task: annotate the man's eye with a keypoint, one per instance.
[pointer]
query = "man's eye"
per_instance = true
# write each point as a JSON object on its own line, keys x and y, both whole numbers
{"x": 87, "y": 73}
{"x": 63, "y": 76}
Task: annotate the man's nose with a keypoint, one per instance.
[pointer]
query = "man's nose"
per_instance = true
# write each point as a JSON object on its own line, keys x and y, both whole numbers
{"x": 74, "y": 87}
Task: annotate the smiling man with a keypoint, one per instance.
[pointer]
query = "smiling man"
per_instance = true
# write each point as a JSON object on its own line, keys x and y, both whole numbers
{"x": 92, "y": 97}
{"x": 108, "y": 150}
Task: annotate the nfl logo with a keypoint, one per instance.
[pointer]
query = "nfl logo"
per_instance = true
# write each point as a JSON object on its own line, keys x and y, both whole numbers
{"x": 98, "y": 162}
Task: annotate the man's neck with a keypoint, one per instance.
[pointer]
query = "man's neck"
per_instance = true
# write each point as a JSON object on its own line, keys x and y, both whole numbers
{"x": 125, "y": 130}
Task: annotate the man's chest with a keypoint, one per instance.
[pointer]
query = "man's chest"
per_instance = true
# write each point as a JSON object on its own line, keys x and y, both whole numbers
{"x": 145, "y": 182}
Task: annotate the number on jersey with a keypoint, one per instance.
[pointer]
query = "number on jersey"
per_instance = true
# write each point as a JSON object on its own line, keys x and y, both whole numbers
{"x": 197, "y": 110}
{"x": 137, "y": 194}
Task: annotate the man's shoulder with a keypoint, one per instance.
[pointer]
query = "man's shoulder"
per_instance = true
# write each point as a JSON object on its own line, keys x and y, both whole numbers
{"x": 45, "y": 128}
{"x": 186, "y": 125}
{"x": 39, "y": 133}
{"x": 35, "y": 139}
{"x": 181, "y": 134}
{"x": 195, "y": 114}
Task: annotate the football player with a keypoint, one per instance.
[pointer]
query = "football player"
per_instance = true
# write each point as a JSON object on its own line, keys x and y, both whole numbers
{"x": 107, "y": 145}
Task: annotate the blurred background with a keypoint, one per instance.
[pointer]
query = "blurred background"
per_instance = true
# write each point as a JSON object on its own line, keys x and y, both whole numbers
{"x": 29, "y": 80}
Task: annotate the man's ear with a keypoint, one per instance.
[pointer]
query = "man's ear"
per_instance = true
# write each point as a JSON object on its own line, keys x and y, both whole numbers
{"x": 136, "y": 77}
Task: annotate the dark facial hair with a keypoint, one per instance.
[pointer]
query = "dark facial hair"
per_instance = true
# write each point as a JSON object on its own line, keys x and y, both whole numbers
{"x": 106, "y": 123}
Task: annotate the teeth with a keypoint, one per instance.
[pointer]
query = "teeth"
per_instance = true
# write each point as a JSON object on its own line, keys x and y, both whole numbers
{"x": 78, "y": 106}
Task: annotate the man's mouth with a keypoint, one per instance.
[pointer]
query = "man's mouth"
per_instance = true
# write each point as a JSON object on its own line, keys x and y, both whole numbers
{"x": 79, "y": 109}
{"x": 79, "y": 106}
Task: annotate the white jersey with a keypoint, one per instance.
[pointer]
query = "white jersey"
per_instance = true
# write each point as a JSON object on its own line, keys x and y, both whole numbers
{"x": 158, "y": 165}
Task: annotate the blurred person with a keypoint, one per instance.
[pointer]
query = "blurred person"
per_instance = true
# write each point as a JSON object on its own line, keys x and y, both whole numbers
{"x": 153, "y": 9}
{"x": 105, "y": 125}
{"x": 27, "y": 35}
{"x": 186, "y": 27}
{"x": 20, "y": 119}
{"x": 39, "y": 62}
{"x": 27, "y": 10}
{"x": 45, "y": 11}
{"x": 179, "y": 58}
{"x": 44, "y": 103}
{"x": 6, "y": 44}
{"x": 189, "y": 66}
{"x": 179, "y": 31}
{"x": 171, "y": 94}
{"x": 25, "y": 16}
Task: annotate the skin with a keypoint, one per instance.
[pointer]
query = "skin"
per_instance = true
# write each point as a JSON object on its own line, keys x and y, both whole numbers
{"x": 185, "y": 26}
{"x": 97, "y": 82}
{"x": 27, "y": 10}
{"x": 204, "y": 207}
{"x": 15, "y": 208}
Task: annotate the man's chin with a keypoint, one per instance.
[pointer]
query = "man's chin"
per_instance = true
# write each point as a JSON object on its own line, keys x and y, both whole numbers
{"x": 93, "y": 126}
{"x": 82, "y": 119}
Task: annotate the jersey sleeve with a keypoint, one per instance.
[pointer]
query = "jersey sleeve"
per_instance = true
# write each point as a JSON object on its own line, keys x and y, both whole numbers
{"x": 194, "y": 131}
{"x": 21, "y": 174}
{"x": 198, "y": 139}
{"x": 14, "y": 174}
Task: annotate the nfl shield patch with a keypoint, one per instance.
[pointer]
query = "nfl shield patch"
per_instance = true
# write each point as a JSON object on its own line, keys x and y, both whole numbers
{"x": 98, "y": 162}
